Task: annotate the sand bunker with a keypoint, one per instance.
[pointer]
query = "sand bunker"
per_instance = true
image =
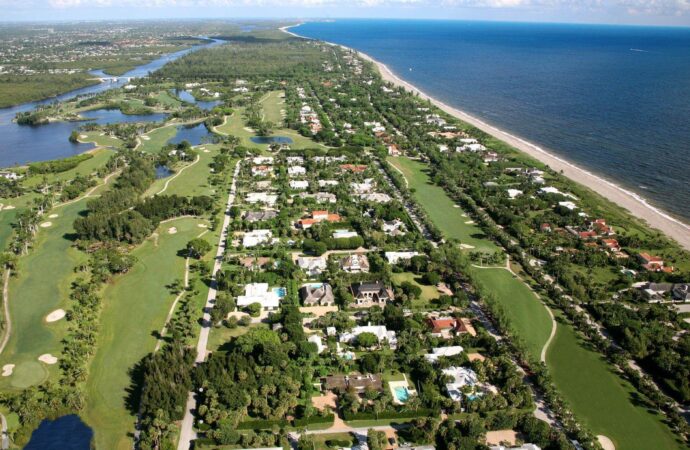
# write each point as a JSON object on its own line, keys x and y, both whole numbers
{"x": 9, "y": 207}
{"x": 46, "y": 224}
{"x": 7, "y": 370}
{"x": 55, "y": 315}
{"x": 146, "y": 138}
{"x": 469, "y": 222}
{"x": 48, "y": 358}
{"x": 466, "y": 246}
{"x": 53, "y": 216}
{"x": 207, "y": 150}
{"x": 202, "y": 225}
{"x": 605, "y": 442}
{"x": 82, "y": 136}
{"x": 172, "y": 230}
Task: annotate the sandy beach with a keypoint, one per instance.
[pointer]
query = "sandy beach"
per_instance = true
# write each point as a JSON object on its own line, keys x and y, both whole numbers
{"x": 631, "y": 201}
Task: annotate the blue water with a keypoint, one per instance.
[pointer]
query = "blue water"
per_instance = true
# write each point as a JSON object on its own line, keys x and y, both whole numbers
{"x": 271, "y": 140}
{"x": 64, "y": 433}
{"x": 281, "y": 292}
{"x": 105, "y": 116}
{"x": 401, "y": 394}
{"x": 613, "y": 99}
{"x": 163, "y": 172}
{"x": 194, "y": 134}
{"x": 189, "y": 98}
{"x": 22, "y": 144}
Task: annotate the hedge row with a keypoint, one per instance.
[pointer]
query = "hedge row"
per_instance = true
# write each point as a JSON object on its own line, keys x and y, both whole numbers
{"x": 422, "y": 412}
{"x": 260, "y": 424}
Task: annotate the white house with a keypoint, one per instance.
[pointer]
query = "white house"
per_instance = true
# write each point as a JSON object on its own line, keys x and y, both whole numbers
{"x": 439, "y": 352}
{"x": 312, "y": 265}
{"x": 324, "y": 183}
{"x": 380, "y": 331}
{"x": 476, "y": 147}
{"x": 261, "y": 197}
{"x": 396, "y": 257}
{"x": 376, "y": 197}
{"x": 568, "y": 205}
{"x": 295, "y": 171}
{"x": 522, "y": 447}
{"x": 294, "y": 160}
{"x": 259, "y": 293}
{"x": 363, "y": 188}
{"x": 512, "y": 193}
{"x": 344, "y": 234}
{"x": 256, "y": 237}
{"x": 259, "y": 160}
{"x": 316, "y": 339}
{"x": 299, "y": 184}
{"x": 393, "y": 227}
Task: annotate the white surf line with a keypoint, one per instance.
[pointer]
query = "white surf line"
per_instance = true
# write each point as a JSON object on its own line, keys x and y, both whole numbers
{"x": 198, "y": 157}
{"x": 497, "y": 133}
{"x": 6, "y": 309}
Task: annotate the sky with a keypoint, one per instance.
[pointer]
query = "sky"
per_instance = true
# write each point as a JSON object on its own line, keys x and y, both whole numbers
{"x": 641, "y": 12}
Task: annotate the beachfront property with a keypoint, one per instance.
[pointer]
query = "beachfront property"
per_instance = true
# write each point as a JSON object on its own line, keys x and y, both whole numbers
{"x": 368, "y": 294}
{"x": 383, "y": 335}
{"x": 269, "y": 299}
{"x": 653, "y": 263}
{"x": 355, "y": 263}
{"x": 317, "y": 294}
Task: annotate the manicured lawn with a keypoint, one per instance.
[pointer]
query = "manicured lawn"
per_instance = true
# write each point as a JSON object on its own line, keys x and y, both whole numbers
{"x": 602, "y": 400}
{"x": 41, "y": 286}
{"x": 320, "y": 439}
{"x": 527, "y": 314}
{"x": 100, "y": 157}
{"x": 272, "y": 104}
{"x": 450, "y": 219}
{"x": 6, "y": 221}
{"x": 100, "y": 139}
{"x": 157, "y": 139}
{"x": 428, "y": 292}
{"x": 135, "y": 306}
{"x": 191, "y": 181}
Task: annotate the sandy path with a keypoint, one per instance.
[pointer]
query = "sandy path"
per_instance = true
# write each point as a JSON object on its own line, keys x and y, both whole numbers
{"x": 178, "y": 174}
{"x": 631, "y": 201}
{"x": 6, "y": 309}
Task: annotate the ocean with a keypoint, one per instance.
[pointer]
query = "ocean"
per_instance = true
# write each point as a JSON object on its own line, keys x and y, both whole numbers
{"x": 612, "y": 99}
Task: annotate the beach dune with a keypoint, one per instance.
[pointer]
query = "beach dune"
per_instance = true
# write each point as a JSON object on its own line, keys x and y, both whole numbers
{"x": 634, "y": 203}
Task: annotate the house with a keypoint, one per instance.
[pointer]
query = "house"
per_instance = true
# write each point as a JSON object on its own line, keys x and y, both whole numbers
{"x": 440, "y": 352}
{"x": 653, "y": 263}
{"x": 344, "y": 234}
{"x": 355, "y": 263}
{"x": 490, "y": 157}
{"x": 681, "y": 292}
{"x": 512, "y": 193}
{"x": 256, "y": 237}
{"x": 393, "y": 227}
{"x": 320, "y": 197}
{"x": 355, "y": 168}
{"x": 261, "y": 197}
{"x": 446, "y": 327}
{"x": 294, "y": 171}
{"x": 294, "y": 160}
{"x": 9, "y": 175}
{"x": 316, "y": 339}
{"x": 259, "y": 293}
{"x": 324, "y": 183}
{"x": 474, "y": 148}
{"x": 657, "y": 292}
{"x": 612, "y": 245}
{"x": 255, "y": 263}
{"x": 367, "y": 294}
{"x": 262, "y": 160}
{"x": 600, "y": 226}
{"x": 545, "y": 228}
{"x": 312, "y": 265}
{"x": 299, "y": 185}
{"x": 364, "y": 187}
{"x": 393, "y": 150}
{"x": 318, "y": 217}
{"x": 317, "y": 294}
{"x": 262, "y": 171}
{"x": 359, "y": 383}
{"x": 568, "y": 205}
{"x": 375, "y": 197}
{"x": 396, "y": 257}
{"x": 461, "y": 377}
{"x": 382, "y": 333}
{"x": 522, "y": 447}
{"x": 259, "y": 216}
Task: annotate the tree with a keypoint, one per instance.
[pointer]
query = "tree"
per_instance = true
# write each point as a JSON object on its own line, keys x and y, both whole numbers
{"x": 376, "y": 440}
{"x": 367, "y": 340}
{"x": 197, "y": 248}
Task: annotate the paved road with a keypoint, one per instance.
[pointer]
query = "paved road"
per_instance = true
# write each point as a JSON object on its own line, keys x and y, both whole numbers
{"x": 187, "y": 434}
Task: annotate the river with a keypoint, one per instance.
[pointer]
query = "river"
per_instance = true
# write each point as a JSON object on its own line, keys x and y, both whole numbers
{"x": 21, "y": 144}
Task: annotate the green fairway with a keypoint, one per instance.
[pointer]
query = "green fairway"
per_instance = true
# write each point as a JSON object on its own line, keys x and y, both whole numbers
{"x": 601, "y": 399}
{"x": 6, "y": 220}
{"x": 42, "y": 286}
{"x": 157, "y": 139}
{"x": 448, "y": 217}
{"x": 100, "y": 157}
{"x": 189, "y": 179}
{"x": 528, "y": 316}
{"x": 272, "y": 104}
{"x": 100, "y": 139}
{"x": 135, "y": 306}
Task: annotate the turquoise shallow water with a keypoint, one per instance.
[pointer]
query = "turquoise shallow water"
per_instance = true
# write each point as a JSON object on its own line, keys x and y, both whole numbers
{"x": 613, "y": 99}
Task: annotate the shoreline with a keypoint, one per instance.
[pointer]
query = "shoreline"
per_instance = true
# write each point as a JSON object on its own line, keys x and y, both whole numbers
{"x": 632, "y": 202}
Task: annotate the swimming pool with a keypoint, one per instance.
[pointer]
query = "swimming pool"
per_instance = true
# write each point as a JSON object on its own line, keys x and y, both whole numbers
{"x": 401, "y": 393}
{"x": 280, "y": 292}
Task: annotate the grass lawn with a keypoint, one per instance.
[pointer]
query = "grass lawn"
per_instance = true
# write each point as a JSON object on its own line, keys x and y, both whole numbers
{"x": 135, "y": 306}
{"x": 6, "y": 221}
{"x": 157, "y": 138}
{"x": 450, "y": 219}
{"x": 428, "y": 292}
{"x": 272, "y": 104}
{"x": 100, "y": 139}
{"x": 320, "y": 439}
{"x": 235, "y": 126}
{"x": 42, "y": 286}
{"x": 223, "y": 334}
{"x": 602, "y": 400}
{"x": 528, "y": 315}
{"x": 193, "y": 180}
{"x": 100, "y": 158}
